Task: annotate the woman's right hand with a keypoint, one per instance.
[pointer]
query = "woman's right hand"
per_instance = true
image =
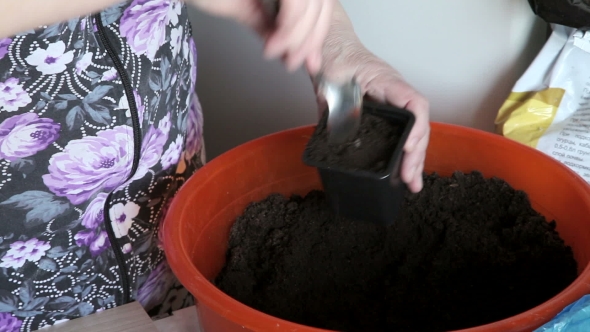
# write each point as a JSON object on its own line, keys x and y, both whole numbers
{"x": 296, "y": 34}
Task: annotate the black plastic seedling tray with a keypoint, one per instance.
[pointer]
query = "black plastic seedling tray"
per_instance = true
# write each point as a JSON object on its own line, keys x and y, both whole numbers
{"x": 364, "y": 195}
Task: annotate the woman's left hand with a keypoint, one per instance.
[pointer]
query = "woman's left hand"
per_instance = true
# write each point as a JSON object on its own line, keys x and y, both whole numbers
{"x": 345, "y": 56}
{"x": 382, "y": 83}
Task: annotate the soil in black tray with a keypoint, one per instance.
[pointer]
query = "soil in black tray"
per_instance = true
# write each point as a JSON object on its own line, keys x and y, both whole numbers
{"x": 380, "y": 134}
{"x": 466, "y": 251}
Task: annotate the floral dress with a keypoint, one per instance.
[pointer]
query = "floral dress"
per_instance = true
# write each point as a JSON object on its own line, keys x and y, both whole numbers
{"x": 99, "y": 128}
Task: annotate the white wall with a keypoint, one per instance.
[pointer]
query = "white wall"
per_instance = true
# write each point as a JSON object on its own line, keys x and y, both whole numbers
{"x": 463, "y": 55}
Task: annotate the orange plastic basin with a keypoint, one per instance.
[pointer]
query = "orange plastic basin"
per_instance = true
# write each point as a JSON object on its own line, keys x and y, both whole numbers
{"x": 197, "y": 226}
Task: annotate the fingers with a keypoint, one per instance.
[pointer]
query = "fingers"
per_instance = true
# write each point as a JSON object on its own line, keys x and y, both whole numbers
{"x": 291, "y": 13}
{"x": 295, "y": 23}
{"x": 312, "y": 50}
{"x": 301, "y": 28}
{"x": 419, "y": 106}
{"x": 416, "y": 145}
{"x": 413, "y": 165}
{"x": 400, "y": 94}
{"x": 296, "y": 35}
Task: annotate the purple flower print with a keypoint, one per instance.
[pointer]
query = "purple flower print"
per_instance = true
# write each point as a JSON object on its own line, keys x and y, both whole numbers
{"x": 99, "y": 244}
{"x": 93, "y": 238}
{"x": 9, "y": 323}
{"x": 12, "y": 95}
{"x": 83, "y": 23}
{"x": 84, "y": 62}
{"x": 52, "y": 60}
{"x": 4, "y": 43}
{"x": 22, "y": 251}
{"x": 96, "y": 241}
{"x": 154, "y": 289}
{"x": 25, "y": 134}
{"x": 91, "y": 164}
{"x": 144, "y": 25}
{"x": 84, "y": 237}
{"x": 151, "y": 151}
{"x": 172, "y": 155}
{"x": 194, "y": 128}
{"x": 94, "y": 214}
{"x": 140, "y": 106}
{"x": 122, "y": 217}
{"x": 109, "y": 75}
{"x": 164, "y": 125}
{"x": 153, "y": 145}
{"x": 193, "y": 62}
{"x": 15, "y": 262}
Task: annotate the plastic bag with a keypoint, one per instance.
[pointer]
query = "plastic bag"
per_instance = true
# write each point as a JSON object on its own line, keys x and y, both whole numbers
{"x": 549, "y": 106}
{"x": 573, "y": 318}
{"x": 571, "y": 13}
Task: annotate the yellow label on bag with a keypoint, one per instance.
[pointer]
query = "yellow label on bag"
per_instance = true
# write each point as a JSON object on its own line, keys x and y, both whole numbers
{"x": 525, "y": 116}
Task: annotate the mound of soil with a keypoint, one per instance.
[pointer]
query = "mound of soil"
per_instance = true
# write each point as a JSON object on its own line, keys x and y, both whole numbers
{"x": 465, "y": 251}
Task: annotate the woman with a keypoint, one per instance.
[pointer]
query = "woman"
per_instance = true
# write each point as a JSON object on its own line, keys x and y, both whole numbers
{"x": 100, "y": 126}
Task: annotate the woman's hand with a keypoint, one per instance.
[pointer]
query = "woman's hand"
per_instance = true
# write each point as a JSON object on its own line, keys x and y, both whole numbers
{"x": 296, "y": 34}
{"x": 382, "y": 83}
{"x": 344, "y": 55}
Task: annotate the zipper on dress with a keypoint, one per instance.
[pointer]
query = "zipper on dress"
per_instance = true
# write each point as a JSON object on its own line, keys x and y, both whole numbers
{"x": 117, "y": 250}
{"x": 102, "y": 32}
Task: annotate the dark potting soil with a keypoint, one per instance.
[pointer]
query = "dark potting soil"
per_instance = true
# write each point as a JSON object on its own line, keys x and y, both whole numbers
{"x": 465, "y": 252}
{"x": 374, "y": 131}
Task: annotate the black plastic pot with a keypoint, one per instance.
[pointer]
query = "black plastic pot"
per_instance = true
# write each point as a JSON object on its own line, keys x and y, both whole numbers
{"x": 363, "y": 195}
